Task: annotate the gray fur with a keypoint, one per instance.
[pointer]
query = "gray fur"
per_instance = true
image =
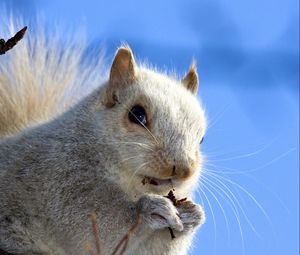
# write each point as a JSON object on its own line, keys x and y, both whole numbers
{"x": 54, "y": 175}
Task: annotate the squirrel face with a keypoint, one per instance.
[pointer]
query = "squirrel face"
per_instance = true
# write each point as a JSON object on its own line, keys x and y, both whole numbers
{"x": 156, "y": 124}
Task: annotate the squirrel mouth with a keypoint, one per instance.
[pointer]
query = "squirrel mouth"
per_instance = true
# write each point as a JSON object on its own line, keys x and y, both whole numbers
{"x": 156, "y": 182}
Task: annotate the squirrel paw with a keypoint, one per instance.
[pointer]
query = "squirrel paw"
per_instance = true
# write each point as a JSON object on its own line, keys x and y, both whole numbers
{"x": 191, "y": 215}
{"x": 159, "y": 212}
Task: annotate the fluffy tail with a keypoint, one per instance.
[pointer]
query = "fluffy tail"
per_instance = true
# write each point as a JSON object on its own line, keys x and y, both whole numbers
{"x": 42, "y": 76}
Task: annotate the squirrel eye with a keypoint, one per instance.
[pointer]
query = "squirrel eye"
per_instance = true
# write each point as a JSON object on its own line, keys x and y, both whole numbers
{"x": 202, "y": 139}
{"x": 137, "y": 115}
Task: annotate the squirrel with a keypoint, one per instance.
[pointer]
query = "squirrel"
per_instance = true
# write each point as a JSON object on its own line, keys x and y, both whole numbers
{"x": 116, "y": 152}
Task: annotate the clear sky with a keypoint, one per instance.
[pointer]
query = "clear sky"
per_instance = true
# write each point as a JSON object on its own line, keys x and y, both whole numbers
{"x": 248, "y": 61}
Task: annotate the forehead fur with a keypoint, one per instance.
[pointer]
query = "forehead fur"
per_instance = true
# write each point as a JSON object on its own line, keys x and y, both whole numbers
{"x": 170, "y": 93}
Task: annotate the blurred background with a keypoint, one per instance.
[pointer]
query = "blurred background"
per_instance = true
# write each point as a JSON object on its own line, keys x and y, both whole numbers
{"x": 247, "y": 56}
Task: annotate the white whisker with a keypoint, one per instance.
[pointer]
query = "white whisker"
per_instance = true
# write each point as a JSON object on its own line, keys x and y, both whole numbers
{"x": 234, "y": 201}
{"x": 135, "y": 172}
{"x": 251, "y": 170}
{"x": 262, "y": 148}
{"x": 212, "y": 213}
{"x": 220, "y": 205}
{"x": 248, "y": 194}
{"x": 234, "y": 209}
{"x": 143, "y": 145}
{"x": 129, "y": 158}
{"x": 246, "y": 155}
{"x": 217, "y": 117}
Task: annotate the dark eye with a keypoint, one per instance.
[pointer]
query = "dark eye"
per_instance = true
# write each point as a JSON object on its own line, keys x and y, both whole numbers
{"x": 137, "y": 115}
{"x": 202, "y": 140}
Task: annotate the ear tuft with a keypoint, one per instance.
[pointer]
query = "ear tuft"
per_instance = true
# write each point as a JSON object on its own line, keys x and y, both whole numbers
{"x": 190, "y": 81}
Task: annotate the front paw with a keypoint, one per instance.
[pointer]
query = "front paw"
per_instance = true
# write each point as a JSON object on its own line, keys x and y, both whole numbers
{"x": 159, "y": 212}
{"x": 191, "y": 215}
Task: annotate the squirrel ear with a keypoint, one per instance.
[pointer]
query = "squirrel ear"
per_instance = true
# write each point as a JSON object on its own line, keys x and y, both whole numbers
{"x": 122, "y": 73}
{"x": 123, "y": 67}
{"x": 190, "y": 81}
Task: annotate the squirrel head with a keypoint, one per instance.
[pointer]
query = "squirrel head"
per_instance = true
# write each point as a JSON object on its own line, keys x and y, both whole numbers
{"x": 155, "y": 124}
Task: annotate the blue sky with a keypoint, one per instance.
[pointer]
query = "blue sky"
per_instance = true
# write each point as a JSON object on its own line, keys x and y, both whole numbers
{"x": 248, "y": 61}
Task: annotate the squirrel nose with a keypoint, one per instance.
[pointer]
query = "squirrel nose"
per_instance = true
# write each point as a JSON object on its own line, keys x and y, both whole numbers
{"x": 185, "y": 167}
{"x": 181, "y": 171}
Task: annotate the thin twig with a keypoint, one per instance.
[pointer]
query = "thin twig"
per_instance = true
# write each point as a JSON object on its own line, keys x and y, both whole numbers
{"x": 89, "y": 249}
{"x": 124, "y": 241}
{"x": 10, "y": 43}
{"x": 121, "y": 246}
{"x": 96, "y": 232}
{"x": 171, "y": 233}
{"x": 175, "y": 202}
